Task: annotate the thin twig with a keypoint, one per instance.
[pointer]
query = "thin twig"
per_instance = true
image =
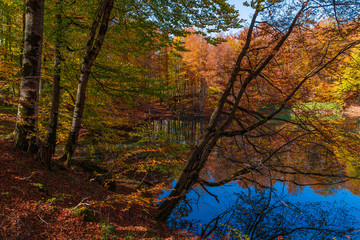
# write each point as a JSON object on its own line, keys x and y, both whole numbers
{"x": 20, "y": 190}
{"x": 26, "y": 178}
{"x": 42, "y": 220}
{"x": 82, "y": 203}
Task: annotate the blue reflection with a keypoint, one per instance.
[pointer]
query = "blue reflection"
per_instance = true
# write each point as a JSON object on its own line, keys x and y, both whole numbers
{"x": 274, "y": 213}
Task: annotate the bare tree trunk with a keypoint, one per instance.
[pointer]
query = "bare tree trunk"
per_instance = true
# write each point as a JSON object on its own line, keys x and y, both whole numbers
{"x": 26, "y": 122}
{"x": 47, "y": 151}
{"x": 92, "y": 50}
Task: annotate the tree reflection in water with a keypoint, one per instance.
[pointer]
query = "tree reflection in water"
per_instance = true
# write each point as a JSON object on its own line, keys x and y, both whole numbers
{"x": 254, "y": 206}
{"x": 266, "y": 215}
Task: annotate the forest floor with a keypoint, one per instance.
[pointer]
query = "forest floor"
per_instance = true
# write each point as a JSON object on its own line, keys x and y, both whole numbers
{"x": 40, "y": 204}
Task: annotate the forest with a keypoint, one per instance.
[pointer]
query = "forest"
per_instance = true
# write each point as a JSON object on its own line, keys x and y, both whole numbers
{"x": 179, "y": 119}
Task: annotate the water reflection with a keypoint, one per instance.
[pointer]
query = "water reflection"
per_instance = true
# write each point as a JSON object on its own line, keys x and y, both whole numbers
{"x": 186, "y": 131}
{"x": 268, "y": 214}
{"x": 311, "y": 204}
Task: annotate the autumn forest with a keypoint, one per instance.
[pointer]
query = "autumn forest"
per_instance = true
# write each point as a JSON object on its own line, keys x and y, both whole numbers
{"x": 179, "y": 119}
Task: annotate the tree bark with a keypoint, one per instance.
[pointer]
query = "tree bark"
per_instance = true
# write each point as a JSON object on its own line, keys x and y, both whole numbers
{"x": 26, "y": 122}
{"x": 92, "y": 50}
{"x": 48, "y": 149}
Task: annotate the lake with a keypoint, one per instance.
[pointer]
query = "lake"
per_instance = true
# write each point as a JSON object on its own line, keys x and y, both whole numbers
{"x": 273, "y": 202}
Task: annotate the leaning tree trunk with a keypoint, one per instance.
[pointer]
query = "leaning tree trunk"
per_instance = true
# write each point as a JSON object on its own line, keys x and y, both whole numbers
{"x": 213, "y": 132}
{"x": 189, "y": 176}
{"x": 92, "y": 50}
{"x": 48, "y": 149}
{"x": 208, "y": 140}
{"x": 26, "y": 122}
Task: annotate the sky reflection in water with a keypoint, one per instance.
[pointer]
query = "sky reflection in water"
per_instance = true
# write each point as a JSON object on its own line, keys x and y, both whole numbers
{"x": 268, "y": 214}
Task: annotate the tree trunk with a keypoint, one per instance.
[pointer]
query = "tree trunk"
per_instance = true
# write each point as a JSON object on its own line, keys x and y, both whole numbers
{"x": 47, "y": 151}
{"x": 78, "y": 111}
{"x": 92, "y": 50}
{"x": 190, "y": 174}
{"x": 26, "y": 122}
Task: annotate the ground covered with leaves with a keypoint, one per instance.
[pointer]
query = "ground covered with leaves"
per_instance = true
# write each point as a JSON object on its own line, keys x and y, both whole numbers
{"x": 66, "y": 204}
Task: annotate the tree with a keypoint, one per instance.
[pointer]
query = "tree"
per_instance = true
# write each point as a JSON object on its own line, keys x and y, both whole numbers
{"x": 154, "y": 19}
{"x": 10, "y": 48}
{"x": 48, "y": 149}
{"x": 26, "y": 123}
{"x": 93, "y": 47}
{"x": 347, "y": 87}
{"x": 236, "y": 113}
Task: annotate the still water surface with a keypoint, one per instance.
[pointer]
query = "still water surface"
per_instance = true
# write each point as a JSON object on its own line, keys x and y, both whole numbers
{"x": 273, "y": 210}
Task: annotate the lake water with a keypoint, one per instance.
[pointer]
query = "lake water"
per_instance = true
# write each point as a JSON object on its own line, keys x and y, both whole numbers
{"x": 264, "y": 207}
